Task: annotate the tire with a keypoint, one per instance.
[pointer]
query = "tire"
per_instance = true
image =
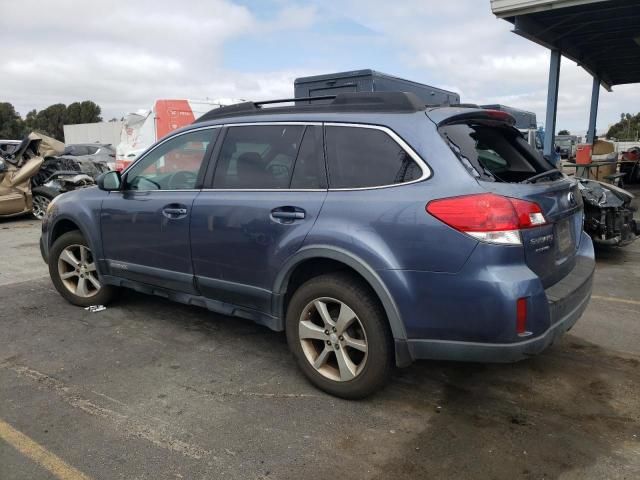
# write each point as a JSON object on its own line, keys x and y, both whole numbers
{"x": 373, "y": 360}
{"x": 60, "y": 263}
{"x": 41, "y": 197}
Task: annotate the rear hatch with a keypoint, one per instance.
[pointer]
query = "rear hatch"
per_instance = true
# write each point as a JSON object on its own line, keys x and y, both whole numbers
{"x": 503, "y": 163}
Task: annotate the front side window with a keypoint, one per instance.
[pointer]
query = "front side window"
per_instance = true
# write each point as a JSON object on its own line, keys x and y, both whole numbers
{"x": 258, "y": 157}
{"x": 359, "y": 157}
{"x": 174, "y": 165}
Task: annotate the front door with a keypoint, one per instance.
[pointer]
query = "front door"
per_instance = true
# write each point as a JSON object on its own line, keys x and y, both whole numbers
{"x": 145, "y": 227}
{"x": 267, "y": 191}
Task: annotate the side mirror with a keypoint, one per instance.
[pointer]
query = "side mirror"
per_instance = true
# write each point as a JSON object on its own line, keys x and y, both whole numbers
{"x": 109, "y": 181}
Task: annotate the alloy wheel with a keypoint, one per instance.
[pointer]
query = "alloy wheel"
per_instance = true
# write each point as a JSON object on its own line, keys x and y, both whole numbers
{"x": 333, "y": 339}
{"x": 77, "y": 270}
{"x": 40, "y": 205}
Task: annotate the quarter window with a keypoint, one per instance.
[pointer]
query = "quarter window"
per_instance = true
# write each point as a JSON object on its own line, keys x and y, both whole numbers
{"x": 174, "y": 165}
{"x": 258, "y": 157}
{"x": 360, "y": 157}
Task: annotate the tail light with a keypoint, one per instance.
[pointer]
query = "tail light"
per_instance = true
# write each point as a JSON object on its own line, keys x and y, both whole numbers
{"x": 488, "y": 217}
{"x": 500, "y": 115}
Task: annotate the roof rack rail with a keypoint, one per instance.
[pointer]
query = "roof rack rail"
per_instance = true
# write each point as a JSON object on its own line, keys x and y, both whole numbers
{"x": 299, "y": 99}
{"x": 392, "y": 102}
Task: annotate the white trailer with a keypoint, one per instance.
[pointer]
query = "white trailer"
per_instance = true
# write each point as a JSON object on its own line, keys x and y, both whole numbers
{"x": 100, "y": 132}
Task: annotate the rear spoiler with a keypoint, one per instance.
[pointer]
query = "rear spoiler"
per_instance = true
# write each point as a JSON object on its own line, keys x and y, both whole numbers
{"x": 469, "y": 114}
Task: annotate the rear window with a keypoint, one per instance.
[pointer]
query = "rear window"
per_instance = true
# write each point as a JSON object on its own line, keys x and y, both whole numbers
{"x": 494, "y": 153}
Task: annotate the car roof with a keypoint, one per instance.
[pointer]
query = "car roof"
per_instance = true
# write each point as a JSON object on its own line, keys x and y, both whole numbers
{"x": 360, "y": 102}
{"x": 346, "y": 105}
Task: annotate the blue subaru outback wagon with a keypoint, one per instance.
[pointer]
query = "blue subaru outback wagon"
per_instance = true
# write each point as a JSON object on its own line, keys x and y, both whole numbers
{"x": 372, "y": 229}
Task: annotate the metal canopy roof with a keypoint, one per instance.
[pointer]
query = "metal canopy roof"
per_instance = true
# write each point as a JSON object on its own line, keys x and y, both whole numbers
{"x": 602, "y": 36}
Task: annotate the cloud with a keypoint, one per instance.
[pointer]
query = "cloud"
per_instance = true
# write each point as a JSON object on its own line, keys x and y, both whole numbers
{"x": 464, "y": 46}
{"x": 124, "y": 55}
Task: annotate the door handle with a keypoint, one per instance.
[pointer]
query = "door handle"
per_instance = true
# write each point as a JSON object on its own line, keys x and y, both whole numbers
{"x": 174, "y": 212}
{"x": 288, "y": 215}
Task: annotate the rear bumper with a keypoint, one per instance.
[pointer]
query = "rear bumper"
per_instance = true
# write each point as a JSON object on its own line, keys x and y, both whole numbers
{"x": 567, "y": 300}
{"x": 565, "y": 313}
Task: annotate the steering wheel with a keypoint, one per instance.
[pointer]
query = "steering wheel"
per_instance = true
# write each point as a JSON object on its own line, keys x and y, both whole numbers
{"x": 136, "y": 183}
{"x": 182, "y": 179}
{"x": 278, "y": 170}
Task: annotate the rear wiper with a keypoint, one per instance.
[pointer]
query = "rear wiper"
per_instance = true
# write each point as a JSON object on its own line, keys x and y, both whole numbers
{"x": 537, "y": 177}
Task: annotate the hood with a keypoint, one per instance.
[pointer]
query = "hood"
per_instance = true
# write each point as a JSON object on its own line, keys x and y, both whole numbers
{"x": 49, "y": 147}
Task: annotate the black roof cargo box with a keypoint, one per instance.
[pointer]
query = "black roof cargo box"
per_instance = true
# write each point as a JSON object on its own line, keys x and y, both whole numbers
{"x": 369, "y": 81}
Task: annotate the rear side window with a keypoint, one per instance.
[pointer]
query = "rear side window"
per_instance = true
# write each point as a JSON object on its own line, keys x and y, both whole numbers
{"x": 494, "y": 153}
{"x": 359, "y": 157}
{"x": 258, "y": 157}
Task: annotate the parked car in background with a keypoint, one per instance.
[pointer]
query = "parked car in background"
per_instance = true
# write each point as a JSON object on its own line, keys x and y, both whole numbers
{"x": 608, "y": 213}
{"x": 18, "y": 164}
{"x": 566, "y": 146}
{"x": 8, "y": 146}
{"x": 373, "y": 230}
{"x": 96, "y": 152}
{"x": 34, "y": 172}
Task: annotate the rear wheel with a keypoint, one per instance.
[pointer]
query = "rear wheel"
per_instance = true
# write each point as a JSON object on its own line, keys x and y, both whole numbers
{"x": 41, "y": 198}
{"x": 73, "y": 271}
{"x": 338, "y": 333}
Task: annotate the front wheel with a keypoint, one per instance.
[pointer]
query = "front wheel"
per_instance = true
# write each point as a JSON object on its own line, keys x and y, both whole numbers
{"x": 339, "y": 335}
{"x": 72, "y": 268}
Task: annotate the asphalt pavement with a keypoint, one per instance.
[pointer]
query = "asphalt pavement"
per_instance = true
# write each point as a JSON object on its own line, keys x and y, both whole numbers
{"x": 149, "y": 389}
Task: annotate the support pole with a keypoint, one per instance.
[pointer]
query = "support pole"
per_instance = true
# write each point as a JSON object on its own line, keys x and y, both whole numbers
{"x": 552, "y": 104}
{"x": 593, "y": 113}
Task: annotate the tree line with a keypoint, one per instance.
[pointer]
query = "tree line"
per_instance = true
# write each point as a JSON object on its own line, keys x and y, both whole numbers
{"x": 627, "y": 129}
{"x": 48, "y": 121}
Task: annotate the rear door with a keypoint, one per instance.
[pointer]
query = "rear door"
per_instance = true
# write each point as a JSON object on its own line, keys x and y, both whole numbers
{"x": 145, "y": 227}
{"x": 503, "y": 162}
{"x": 264, "y": 196}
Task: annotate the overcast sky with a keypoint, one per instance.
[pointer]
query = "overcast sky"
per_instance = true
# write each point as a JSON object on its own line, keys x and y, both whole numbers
{"x": 125, "y": 54}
